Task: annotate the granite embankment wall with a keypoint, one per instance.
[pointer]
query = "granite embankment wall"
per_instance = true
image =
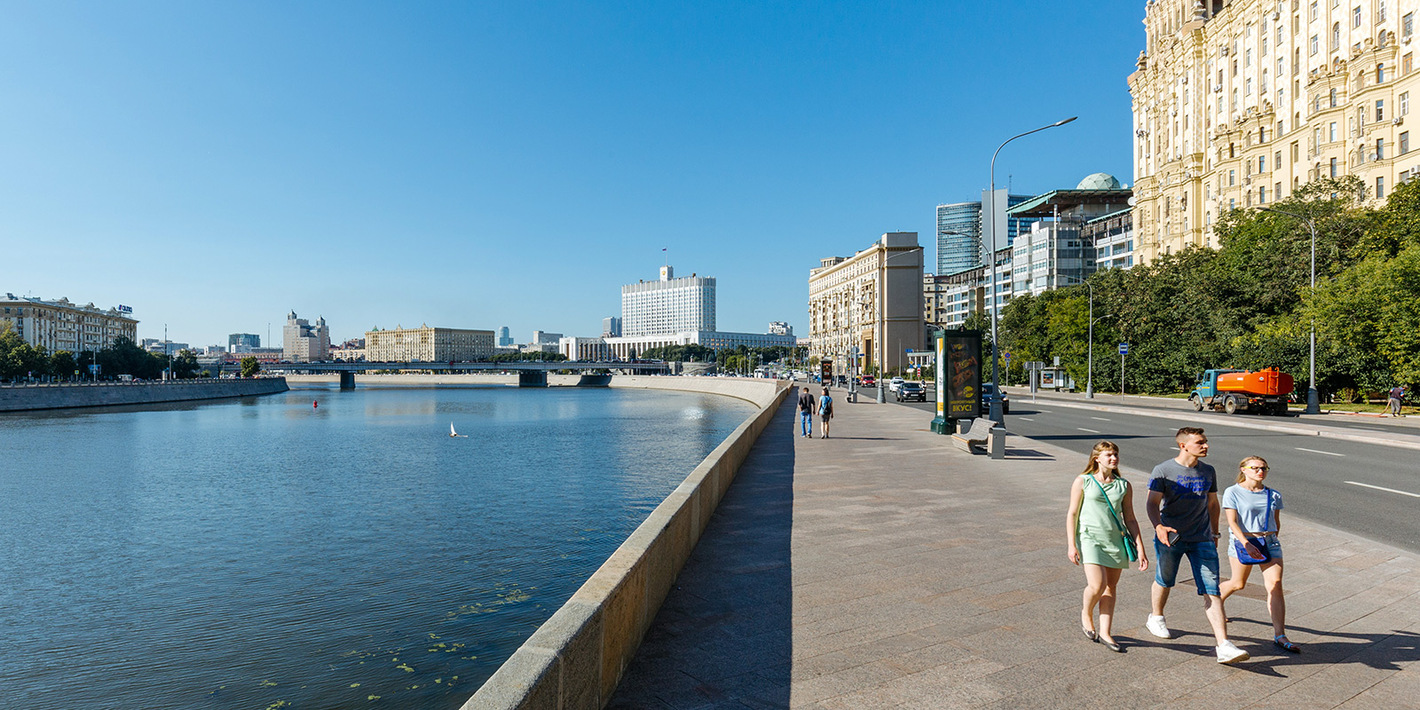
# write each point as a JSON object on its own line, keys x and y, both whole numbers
{"x": 34, "y": 397}
{"x": 576, "y": 658}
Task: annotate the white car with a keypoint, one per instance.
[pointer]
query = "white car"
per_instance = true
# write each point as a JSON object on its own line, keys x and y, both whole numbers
{"x": 894, "y": 383}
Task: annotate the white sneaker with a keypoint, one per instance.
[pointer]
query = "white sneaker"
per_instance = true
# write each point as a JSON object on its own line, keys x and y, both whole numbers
{"x": 1228, "y": 653}
{"x": 1157, "y": 627}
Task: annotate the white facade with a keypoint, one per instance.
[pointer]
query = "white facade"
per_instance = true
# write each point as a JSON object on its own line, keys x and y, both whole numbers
{"x": 303, "y": 342}
{"x": 625, "y": 348}
{"x": 667, "y": 306}
{"x": 61, "y": 325}
{"x": 585, "y": 349}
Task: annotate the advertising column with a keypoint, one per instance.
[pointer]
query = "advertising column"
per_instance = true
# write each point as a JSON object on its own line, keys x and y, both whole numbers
{"x": 958, "y": 379}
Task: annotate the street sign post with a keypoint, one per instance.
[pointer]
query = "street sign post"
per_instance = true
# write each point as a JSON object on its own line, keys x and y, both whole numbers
{"x": 1123, "y": 350}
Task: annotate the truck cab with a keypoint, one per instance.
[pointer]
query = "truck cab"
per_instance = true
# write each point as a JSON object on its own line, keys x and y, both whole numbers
{"x": 1207, "y": 386}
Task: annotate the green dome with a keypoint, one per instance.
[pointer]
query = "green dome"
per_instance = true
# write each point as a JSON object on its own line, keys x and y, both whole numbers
{"x": 1100, "y": 181}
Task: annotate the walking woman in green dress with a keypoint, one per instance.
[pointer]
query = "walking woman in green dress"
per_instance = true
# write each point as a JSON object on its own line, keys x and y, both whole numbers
{"x": 1100, "y": 516}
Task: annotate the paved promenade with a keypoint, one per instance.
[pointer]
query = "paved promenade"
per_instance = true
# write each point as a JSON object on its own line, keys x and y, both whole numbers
{"x": 884, "y": 568}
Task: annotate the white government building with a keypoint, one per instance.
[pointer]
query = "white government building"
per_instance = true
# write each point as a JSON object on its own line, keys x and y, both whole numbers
{"x": 669, "y": 311}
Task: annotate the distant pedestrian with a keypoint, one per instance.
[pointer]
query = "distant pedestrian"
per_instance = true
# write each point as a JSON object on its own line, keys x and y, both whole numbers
{"x": 806, "y": 413}
{"x": 1394, "y": 399}
{"x": 1183, "y": 507}
{"x": 1102, "y": 535}
{"x": 1254, "y": 514}
{"x": 825, "y": 411}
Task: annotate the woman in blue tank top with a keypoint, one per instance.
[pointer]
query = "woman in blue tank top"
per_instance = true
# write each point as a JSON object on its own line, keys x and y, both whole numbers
{"x": 1254, "y": 515}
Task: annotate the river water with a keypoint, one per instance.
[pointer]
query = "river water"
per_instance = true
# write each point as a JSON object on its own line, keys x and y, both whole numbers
{"x": 265, "y": 553}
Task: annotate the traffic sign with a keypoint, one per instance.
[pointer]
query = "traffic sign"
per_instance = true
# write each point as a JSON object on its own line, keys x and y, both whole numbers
{"x": 1008, "y": 356}
{"x": 1124, "y": 348}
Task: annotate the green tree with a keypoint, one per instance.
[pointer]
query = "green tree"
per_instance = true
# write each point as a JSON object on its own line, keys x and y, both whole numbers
{"x": 184, "y": 365}
{"x": 62, "y": 364}
{"x": 250, "y": 367}
{"x": 18, "y": 358}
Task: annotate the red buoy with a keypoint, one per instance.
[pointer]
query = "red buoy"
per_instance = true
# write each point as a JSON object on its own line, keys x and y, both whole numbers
{"x": 315, "y": 405}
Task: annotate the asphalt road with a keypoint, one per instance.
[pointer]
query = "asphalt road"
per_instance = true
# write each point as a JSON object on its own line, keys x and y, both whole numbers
{"x": 1334, "y": 482}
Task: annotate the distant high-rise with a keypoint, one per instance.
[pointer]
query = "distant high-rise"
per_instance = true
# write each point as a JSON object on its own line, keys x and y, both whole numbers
{"x": 611, "y": 327}
{"x": 670, "y": 305}
{"x": 303, "y": 342}
{"x": 780, "y": 327}
{"x": 959, "y": 232}
{"x": 505, "y": 337}
{"x": 242, "y": 342}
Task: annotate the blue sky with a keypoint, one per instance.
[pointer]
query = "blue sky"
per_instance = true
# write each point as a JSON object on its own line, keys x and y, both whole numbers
{"x": 474, "y": 165}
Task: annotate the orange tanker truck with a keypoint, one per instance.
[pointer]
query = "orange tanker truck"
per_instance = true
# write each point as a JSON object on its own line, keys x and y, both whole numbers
{"x": 1265, "y": 391}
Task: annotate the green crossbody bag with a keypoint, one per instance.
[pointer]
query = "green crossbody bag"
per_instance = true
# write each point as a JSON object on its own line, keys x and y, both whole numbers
{"x": 1130, "y": 550}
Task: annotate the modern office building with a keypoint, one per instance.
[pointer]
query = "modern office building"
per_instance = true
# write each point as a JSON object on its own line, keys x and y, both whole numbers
{"x": 242, "y": 342}
{"x": 1112, "y": 235}
{"x": 505, "y": 337}
{"x": 61, "y": 325}
{"x": 959, "y": 231}
{"x": 541, "y": 337}
{"x": 780, "y": 327}
{"x": 1238, "y": 103}
{"x": 611, "y": 327}
{"x": 669, "y": 305}
{"x": 1055, "y": 251}
{"x": 428, "y": 344}
{"x": 303, "y": 342}
{"x": 870, "y": 303}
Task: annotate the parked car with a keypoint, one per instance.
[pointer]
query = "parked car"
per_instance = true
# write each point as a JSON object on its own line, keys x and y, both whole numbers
{"x": 988, "y": 393}
{"x": 911, "y": 390}
{"x": 894, "y": 383}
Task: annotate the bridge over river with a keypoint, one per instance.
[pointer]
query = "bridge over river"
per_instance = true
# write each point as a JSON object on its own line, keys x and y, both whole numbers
{"x": 530, "y": 374}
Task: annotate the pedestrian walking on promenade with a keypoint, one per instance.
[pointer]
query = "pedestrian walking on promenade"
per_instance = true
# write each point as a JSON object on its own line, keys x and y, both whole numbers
{"x": 825, "y": 411}
{"x": 1254, "y": 521}
{"x": 1183, "y": 507}
{"x": 1394, "y": 399}
{"x": 806, "y": 413}
{"x": 1102, "y": 535}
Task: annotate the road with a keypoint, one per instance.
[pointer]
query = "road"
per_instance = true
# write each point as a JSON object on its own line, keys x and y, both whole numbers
{"x": 1367, "y": 489}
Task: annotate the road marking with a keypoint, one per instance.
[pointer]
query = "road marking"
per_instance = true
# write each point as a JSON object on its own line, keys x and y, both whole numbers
{"x": 1092, "y": 431}
{"x": 1314, "y": 451}
{"x": 1025, "y": 419}
{"x": 1101, "y": 419}
{"x": 1387, "y": 490}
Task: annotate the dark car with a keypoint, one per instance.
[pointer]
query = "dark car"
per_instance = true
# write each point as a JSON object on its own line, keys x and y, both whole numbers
{"x": 988, "y": 393}
{"x": 911, "y": 390}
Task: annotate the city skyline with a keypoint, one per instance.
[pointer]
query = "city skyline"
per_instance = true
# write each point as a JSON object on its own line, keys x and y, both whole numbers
{"x": 217, "y": 167}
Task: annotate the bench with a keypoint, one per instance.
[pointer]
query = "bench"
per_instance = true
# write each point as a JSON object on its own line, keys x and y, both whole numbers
{"x": 985, "y": 433}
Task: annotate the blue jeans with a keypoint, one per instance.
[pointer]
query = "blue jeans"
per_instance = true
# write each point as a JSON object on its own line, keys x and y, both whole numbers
{"x": 1202, "y": 557}
{"x": 806, "y": 421}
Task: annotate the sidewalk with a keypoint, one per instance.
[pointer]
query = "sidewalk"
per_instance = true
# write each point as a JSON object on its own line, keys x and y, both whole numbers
{"x": 883, "y": 568}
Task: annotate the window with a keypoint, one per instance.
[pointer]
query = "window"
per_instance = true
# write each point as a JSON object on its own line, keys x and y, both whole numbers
{"x": 1336, "y": 36}
{"x": 1380, "y": 13}
{"x": 1262, "y": 195}
{"x": 1380, "y": 149}
{"x": 1356, "y": 17}
{"x": 1248, "y": 87}
{"x": 1232, "y": 178}
{"x": 1380, "y": 188}
{"x": 1261, "y": 163}
{"x": 1314, "y": 44}
{"x": 1407, "y": 24}
{"x": 1277, "y": 160}
{"x": 1380, "y": 73}
{"x": 1277, "y": 191}
{"x": 1333, "y": 98}
{"x": 1404, "y": 104}
{"x": 1331, "y": 136}
{"x": 1333, "y": 167}
{"x": 1405, "y": 142}
{"x": 1248, "y": 58}
{"x": 1380, "y": 110}
{"x": 1312, "y": 17}
{"x": 1296, "y": 151}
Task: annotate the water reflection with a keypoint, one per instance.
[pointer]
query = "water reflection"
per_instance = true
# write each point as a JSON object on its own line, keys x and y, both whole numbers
{"x": 242, "y": 553}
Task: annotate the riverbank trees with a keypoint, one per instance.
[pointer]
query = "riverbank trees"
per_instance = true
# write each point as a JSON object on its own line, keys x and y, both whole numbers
{"x": 1248, "y": 303}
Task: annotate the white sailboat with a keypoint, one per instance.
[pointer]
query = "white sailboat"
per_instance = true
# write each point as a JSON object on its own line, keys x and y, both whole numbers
{"x": 455, "y": 434}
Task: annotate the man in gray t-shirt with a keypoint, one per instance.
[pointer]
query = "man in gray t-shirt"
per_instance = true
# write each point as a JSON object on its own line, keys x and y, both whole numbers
{"x": 1183, "y": 506}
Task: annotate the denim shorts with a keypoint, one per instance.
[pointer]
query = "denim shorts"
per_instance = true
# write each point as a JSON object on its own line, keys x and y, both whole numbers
{"x": 1274, "y": 548}
{"x": 1202, "y": 557}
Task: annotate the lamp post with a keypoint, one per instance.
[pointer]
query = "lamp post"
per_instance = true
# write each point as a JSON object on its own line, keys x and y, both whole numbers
{"x": 995, "y": 414}
{"x": 1313, "y": 406}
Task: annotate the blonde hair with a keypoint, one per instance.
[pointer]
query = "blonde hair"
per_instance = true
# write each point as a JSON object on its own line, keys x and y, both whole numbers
{"x": 1242, "y": 476}
{"x": 1093, "y": 464}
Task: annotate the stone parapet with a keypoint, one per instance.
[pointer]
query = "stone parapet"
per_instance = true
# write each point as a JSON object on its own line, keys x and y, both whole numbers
{"x": 36, "y": 397}
{"x": 576, "y": 658}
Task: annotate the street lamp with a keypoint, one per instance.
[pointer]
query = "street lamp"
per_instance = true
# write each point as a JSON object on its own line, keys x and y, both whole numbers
{"x": 1313, "y": 407}
{"x": 996, "y": 415}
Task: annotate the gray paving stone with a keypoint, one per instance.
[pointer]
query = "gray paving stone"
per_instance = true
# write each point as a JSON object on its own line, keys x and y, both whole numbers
{"x": 886, "y": 569}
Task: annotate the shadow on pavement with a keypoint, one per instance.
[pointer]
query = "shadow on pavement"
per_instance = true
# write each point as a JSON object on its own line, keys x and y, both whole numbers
{"x": 723, "y": 635}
